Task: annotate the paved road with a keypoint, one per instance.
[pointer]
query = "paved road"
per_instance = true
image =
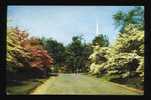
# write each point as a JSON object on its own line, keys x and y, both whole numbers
{"x": 71, "y": 84}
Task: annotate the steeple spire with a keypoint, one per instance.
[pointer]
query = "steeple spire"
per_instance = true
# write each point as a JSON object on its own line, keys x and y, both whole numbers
{"x": 97, "y": 29}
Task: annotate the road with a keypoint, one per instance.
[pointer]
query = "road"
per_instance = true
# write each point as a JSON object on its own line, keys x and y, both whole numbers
{"x": 71, "y": 84}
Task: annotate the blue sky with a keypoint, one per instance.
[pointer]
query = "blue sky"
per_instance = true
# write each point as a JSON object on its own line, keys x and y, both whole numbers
{"x": 64, "y": 22}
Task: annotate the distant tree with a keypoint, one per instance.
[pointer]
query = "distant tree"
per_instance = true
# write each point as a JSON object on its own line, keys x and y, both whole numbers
{"x": 134, "y": 16}
{"x": 77, "y": 54}
{"x": 55, "y": 49}
{"x": 86, "y": 52}
{"x": 101, "y": 39}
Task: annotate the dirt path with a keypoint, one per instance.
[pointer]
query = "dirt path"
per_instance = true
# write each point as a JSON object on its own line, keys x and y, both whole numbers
{"x": 69, "y": 84}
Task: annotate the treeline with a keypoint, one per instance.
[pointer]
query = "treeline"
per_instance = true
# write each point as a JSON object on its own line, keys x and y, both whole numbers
{"x": 123, "y": 60}
{"x": 74, "y": 56}
{"x": 39, "y": 57}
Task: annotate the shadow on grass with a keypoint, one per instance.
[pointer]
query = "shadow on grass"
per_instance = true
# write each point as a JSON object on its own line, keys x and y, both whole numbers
{"x": 23, "y": 87}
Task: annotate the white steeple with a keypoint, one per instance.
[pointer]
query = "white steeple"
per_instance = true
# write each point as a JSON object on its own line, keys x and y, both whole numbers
{"x": 97, "y": 29}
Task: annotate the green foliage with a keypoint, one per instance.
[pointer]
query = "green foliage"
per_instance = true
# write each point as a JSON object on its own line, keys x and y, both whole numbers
{"x": 134, "y": 16}
{"x": 55, "y": 49}
{"x": 99, "y": 57}
{"x": 132, "y": 40}
{"x": 124, "y": 65}
{"x": 77, "y": 54}
{"x": 124, "y": 59}
{"x": 71, "y": 57}
{"x": 101, "y": 39}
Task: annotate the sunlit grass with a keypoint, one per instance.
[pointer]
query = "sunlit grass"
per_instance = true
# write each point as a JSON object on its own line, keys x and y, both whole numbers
{"x": 82, "y": 84}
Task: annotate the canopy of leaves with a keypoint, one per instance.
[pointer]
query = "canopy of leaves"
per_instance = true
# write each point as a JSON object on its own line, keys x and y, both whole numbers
{"x": 77, "y": 54}
{"x": 17, "y": 56}
{"x": 40, "y": 58}
{"x": 124, "y": 59}
{"x": 134, "y": 16}
{"x": 23, "y": 52}
{"x": 55, "y": 49}
{"x": 101, "y": 39}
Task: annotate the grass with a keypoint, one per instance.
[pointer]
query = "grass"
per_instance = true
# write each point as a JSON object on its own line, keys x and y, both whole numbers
{"x": 131, "y": 82}
{"x": 134, "y": 83}
{"x": 25, "y": 87}
{"x": 71, "y": 84}
{"x": 81, "y": 84}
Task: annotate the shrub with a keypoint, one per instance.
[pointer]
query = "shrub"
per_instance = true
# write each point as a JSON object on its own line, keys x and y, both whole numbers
{"x": 123, "y": 60}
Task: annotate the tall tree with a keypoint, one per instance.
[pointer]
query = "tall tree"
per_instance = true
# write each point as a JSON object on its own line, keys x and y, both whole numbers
{"x": 77, "y": 54}
{"x": 134, "y": 16}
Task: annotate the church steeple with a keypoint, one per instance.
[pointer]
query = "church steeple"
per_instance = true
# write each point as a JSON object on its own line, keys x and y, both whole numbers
{"x": 97, "y": 29}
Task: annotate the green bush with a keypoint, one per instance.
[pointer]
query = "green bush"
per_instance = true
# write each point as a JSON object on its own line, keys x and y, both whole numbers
{"x": 123, "y": 60}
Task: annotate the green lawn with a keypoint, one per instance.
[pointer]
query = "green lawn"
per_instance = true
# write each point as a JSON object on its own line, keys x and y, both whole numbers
{"x": 25, "y": 87}
{"x": 82, "y": 84}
